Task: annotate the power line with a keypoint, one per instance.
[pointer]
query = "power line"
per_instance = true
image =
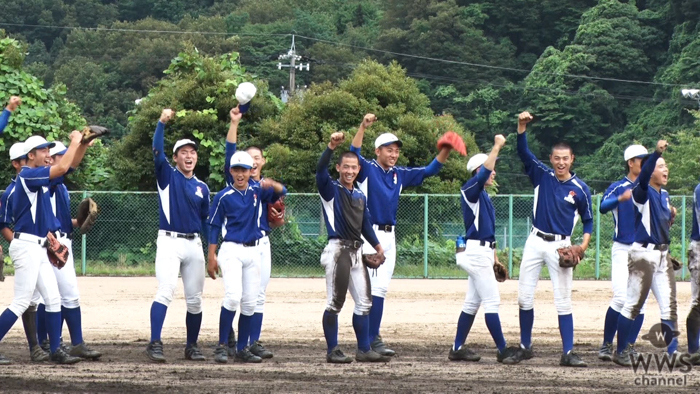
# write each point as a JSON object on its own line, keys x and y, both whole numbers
{"x": 206, "y": 33}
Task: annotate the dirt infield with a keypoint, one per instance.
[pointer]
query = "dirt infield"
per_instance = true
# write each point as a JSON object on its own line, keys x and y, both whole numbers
{"x": 419, "y": 323}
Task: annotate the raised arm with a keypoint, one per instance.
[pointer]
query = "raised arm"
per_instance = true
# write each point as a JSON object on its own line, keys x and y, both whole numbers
{"x": 323, "y": 178}
{"x": 231, "y": 140}
{"x": 159, "y": 145}
{"x": 63, "y": 165}
{"x": 12, "y": 105}
{"x": 367, "y": 121}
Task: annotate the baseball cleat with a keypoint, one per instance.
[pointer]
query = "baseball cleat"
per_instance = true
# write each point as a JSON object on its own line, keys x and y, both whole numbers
{"x": 193, "y": 353}
{"x": 46, "y": 345}
{"x": 508, "y": 356}
{"x": 370, "y": 356}
{"x": 221, "y": 354}
{"x": 4, "y": 360}
{"x": 155, "y": 351}
{"x": 606, "y": 352}
{"x": 623, "y": 358}
{"x": 61, "y": 357}
{"x": 695, "y": 358}
{"x": 571, "y": 359}
{"x": 38, "y": 354}
{"x": 378, "y": 346}
{"x": 83, "y": 351}
{"x": 259, "y": 350}
{"x": 336, "y": 356}
{"x": 463, "y": 354}
{"x": 246, "y": 356}
{"x": 232, "y": 343}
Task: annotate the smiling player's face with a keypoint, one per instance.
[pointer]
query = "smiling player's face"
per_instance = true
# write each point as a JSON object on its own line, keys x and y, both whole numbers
{"x": 39, "y": 157}
{"x": 561, "y": 160}
{"x": 659, "y": 177}
{"x": 186, "y": 159}
{"x": 258, "y": 161}
{"x": 240, "y": 177}
{"x": 348, "y": 170}
{"x": 387, "y": 155}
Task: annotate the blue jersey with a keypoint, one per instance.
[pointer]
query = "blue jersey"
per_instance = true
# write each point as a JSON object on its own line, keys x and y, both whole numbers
{"x": 60, "y": 201}
{"x": 4, "y": 119}
{"x": 345, "y": 211}
{"x": 262, "y": 212}
{"x": 383, "y": 187}
{"x": 558, "y": 204}
{"x": 695, "y": 233}
{"x": 31, "y": 202}
{"x": 183, "y": 202}
{"x": 237, "y": 212}
{"x": 477, "y": 209}
{"x": 653, "y": 207}
{"x": 623, "y": 212}
{"x": 6, "y": 215}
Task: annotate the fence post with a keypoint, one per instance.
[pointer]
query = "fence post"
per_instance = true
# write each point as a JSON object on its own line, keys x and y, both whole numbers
{"x": 425, "y": 236}
{"x": 510, "y": 233}
{"x": 84, "y": 242}
{"x": 683, "y": 254}
{"x": 597, "y": 238}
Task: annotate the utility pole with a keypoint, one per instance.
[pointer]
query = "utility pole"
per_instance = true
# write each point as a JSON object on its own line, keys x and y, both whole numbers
{"x": 293, "y": 57}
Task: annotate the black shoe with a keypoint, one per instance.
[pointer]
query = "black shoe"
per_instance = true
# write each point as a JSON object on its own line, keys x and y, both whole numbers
{"x": 37, "y": 354}
{"x": 508, "y": 356}
{"x": 623, "y": 358}
{"x": 571, "y": 359}
{"x": 221, "y": 354}
{"x": 193, "y": 353}
{"x": 695, "y": 358}
{"x": 336, "y": 356}
{"x": 259, "y": 350}
{"x": 232, "y": 343}
{"x": 606, "y": 352}
{"x": 61, "y": 357}
{"x": 4, "y": 360}
{"x": 463, "y": 354}
{"x": 46, "y": 345}
{"x": 155, "y": 351}
{"x": 370, "y": 356}
{"x": 246, "y": 356}
{"x": 378, "y": 346}
{"x": 83, "y": 351}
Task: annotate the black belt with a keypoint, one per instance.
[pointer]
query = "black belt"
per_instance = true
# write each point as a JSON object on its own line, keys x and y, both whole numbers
{"x": 179, "y": 235}
{"x": 491, "y": 245}
{"x": 67, "y": 235}
{"x": 252, "y": 243}
{"x": 387, "y": 228}
{"x": 349, "y": 243}
{"x": 661, "y": 247}
{"x": 550, "y": 237}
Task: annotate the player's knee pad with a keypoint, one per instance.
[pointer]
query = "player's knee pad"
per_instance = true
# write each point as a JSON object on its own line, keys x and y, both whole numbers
{"x": 230, "y": 304}
{"x": 526, "y": 300}
{"x": 363, "y": 306}
{"x": 248, "y": 307}
{"x": 165, "y": 293}
{"x": 470, "y": 308}
{"x": 491, "y": 304}
{"x": 563, "y": 305}
{"x": 194, "y": 305}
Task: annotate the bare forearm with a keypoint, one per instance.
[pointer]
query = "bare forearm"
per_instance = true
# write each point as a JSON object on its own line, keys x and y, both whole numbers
{"x": 232, "y": 135}
{"x": 586, "y": 241}
{"x": 443, "y": 155}
{"x": 359, "y": 136}
{"x": 7, "y": 234}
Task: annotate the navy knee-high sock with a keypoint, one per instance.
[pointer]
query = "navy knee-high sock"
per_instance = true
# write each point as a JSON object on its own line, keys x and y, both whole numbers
{"x": 158, "y": 311}
{"x": 255, "y": 327}
{"x": 53, "y": 326}
{"x": 610, "y": 327}
{"x": 566, "y": 330}
{"x": 624, "y": 327}
{"x": 330, "y": 329}
{"x": 375, "y": 317}
{"x": 636, "y": 328}
{"x": 225, "y": 321}
{"x": 74, "y": 323}
{"x": 41, "y": 332}
{"x": 673, "y": 346}
{"x": 464, "y": 325}
{"x": 7, "y": 320}
{"x": 527, "y": 319}
{"x": 193, "y": 322}
{"x": 361, "y": 325}
{"x": 493, "y": 323}
{"x": 243, "y": 331}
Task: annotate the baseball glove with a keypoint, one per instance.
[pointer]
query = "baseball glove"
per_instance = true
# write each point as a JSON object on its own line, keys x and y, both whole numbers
{"x": 92, "y": 132}
{"x": 372, "y": 261}
{"x": 500, "y": 271}
{"x": 454, "y": 141}
{"x": 276, "y": 220}
{"x": 87, "y": 214}
{"x": 58, "y": 252}
{"x": 571, "y": 256}
{"x": 674, "y": 262}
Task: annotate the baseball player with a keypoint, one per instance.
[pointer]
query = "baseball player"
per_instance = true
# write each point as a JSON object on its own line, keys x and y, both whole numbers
{"x": 34, "y": 220}
{"x": 236, "y": 209}
{"x": 29, "y": 317}
{"x": 478, "y": 257}
{"x": 382, "y": 182}
{"x": 12, "y": 105}
{"x": 184, "y": 206}
{"x": 649, "y": 268}
{"x": 617, "y": 199}
{"x": 693, "y": 321}
{"x": 347, "y": 218}
{"x": 256, "y": 347}
{"x": 560, "y": 199}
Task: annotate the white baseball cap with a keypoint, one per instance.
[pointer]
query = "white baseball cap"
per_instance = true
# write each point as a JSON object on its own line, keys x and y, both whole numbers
{"x": 180, "y": 143}
{"x": 476, "y": 161}
{"x": 36, "y": 142}
{"x": 242, "y": 159}
{"x": 387, "y": 139}
{"x": 634, "y": 151}
{"x": 17, "y": 151}
{"x": 244, "y": 93}
{"x": 58, "y": 149}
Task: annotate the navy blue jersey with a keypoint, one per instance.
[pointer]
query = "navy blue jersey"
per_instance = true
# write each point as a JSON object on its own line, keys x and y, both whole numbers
{"x": 345, "y": 210}
{"x": 477, "y": 209}
{"x": 383, "y": 187}
{"x": 653, "y": 207}
{"x": 6, "y": 215}
{"x": 31, "y": 202}
{"x": 60, "y": 201}
{"x": 183, "y": 202}
{"x": 623, "y": 212}
{"x": 4, "y": 118}
{"x": 262, "y": 212}
{"x": 695, "y": 234}
{"x": 236, "y": 213}
{"x": 558, "y": 204}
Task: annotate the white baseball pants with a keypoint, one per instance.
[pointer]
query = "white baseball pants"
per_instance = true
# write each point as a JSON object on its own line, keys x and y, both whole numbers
{"x": 33, "y": 271}
{"x": 183, "y": 256}
{"x": 478, "y": 261}
{"x": 649, "y": 269}
{"x": 240, "y": 268}
{"x": 67, "y": 280}
{"x": 619, "y": 275}
{"x": 345, "y": 271}
{"x": 380, "y": 280}
{"x": 536, "y": 254}
{"x": 694, "y": 268}
{"x": 265, "y": 272}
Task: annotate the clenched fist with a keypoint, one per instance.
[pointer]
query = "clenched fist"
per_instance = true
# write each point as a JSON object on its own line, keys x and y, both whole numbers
{"x": 499, "y": 140}
{"x": 166, "y": 115}
{"x": 661, "y": 146}
{"x": 15, "y": 101}
{"x": 235, "y": 114}
{"x": 368, "y": 120}
{"x": 523, "y": 119}
{"x": 625, "y": 196}
{"x": 337, "y": 138}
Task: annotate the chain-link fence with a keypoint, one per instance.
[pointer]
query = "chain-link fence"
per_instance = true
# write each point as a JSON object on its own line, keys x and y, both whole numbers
{"x": 124, "y": 238}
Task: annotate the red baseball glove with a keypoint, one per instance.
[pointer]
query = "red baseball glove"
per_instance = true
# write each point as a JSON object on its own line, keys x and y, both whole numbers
{"x": 58, "y": 252}
{"x": 275, "y": 213}
{"x": 571, "y": 256}
{"x": 454, "y": 141}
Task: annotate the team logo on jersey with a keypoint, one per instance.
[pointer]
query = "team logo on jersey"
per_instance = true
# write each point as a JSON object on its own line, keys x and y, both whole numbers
{"x": 199, "y": 193}
{"x": 395, "y": 178}
{"x": 570, "y": 197}
{"x": 255, "y": 199}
